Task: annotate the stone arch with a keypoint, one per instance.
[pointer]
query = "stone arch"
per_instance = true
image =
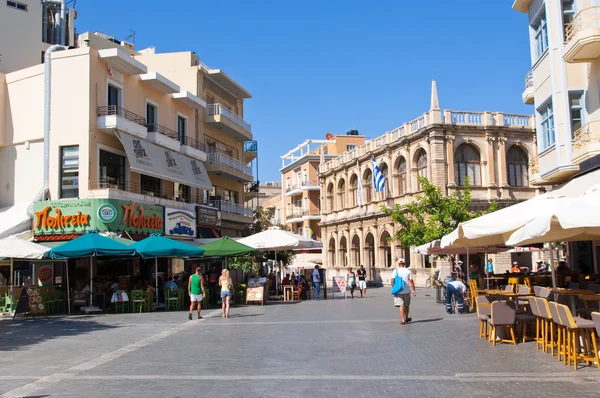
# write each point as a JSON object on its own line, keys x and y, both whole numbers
{"x": 367, "y": 181}
{"x": 329, "y": 196}
{"x": 353, "y": 190}
{"x": 355, "y": 251}
{"x": 341, "y": 194}
{"x": 467, "y": 164}
{"x": 420, "y": 164}
{"x": 369, "y": 250}
{"x": 331, "y": 252}
{"x": 385, "y": 249}
{"x": 400, "y": 174}
{"x": 517, "y": 166}
{"x": 343, "y": 252}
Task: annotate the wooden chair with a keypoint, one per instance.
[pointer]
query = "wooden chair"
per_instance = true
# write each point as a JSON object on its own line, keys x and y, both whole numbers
{"x": 502, "y": 315}
{"x": 297, "y": 294}
{"x": 561, "y": 351}
{"x": 138, "y": 298}
{"x": 484, "y": 310}
{"x": 171, "y": 299}
{"x": 548, "y": 325}
{"x": 535, "y": 310}
{"x": 527, "y": 281}
{"x": 580, "y": 338}
{"x": 596, "y": 320}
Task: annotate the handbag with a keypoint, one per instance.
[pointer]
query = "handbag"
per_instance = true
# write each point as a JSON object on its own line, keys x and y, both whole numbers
{"x": 398, "y": 285}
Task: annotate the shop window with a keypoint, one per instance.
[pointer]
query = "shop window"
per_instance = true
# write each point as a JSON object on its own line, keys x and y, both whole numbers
{"x": 69, "y": 172}
{"x": 112, "y": 170}
{"x": 150, "y": 185}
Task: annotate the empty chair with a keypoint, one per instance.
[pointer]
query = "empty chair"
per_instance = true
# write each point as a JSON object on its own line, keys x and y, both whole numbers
{"x": 537, "y": 290}
{"x": 539, "y": 321}
{"x": 580, "y": 338}
{"x": 503, "y": 314}
{"x": 560, "y": 332}
{"x": 596, "y": 321}
{"x": 484, "y": 310}
{"x": 547, "y": 325}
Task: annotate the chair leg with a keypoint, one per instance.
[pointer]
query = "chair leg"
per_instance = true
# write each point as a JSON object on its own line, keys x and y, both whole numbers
{"x": 512, "y": 335}
{"x": 595, "y": 348}
{"x": 558, "y": 344}
{"x": 574, "y": 350}
{"x": 538, "y": 340}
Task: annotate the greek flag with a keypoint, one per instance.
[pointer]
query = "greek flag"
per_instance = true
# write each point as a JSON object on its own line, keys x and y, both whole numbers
{"x": 378, "y": 179}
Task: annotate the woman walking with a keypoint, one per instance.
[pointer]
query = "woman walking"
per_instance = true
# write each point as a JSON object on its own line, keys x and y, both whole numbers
{"x": 226, "y": 292}
{"x": 351, "y": 281}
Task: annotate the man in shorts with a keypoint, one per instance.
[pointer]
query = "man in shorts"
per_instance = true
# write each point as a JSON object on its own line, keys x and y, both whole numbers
{"x": 362, "y": 281}
{"x": 402, "y": 299}
{"x": 196, "y": 291}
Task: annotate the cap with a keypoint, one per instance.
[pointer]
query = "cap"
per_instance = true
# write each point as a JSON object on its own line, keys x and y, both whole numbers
{"x": 539, "y": 261}
{"x": 515, "y": 263}
{"x": 401, "y": 260}
{"x": 459, "y": 262}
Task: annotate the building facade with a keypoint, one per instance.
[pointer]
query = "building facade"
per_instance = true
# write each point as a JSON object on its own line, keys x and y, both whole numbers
{"x": 564, "y": 87}
{"x": 265, "y": 191}
{"x": 492, "y": 149}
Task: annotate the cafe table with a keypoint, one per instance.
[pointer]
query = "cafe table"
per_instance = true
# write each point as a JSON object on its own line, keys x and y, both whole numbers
{"x": 586, "y": 298}
{"x": 287, "y": 290}
{"x": 573, "y": 294}
{"x": 495, "y": 279}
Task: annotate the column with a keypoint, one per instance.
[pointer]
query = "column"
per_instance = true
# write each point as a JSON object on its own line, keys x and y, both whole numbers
{"x": 378, "y": 260}
{"x": 325, "y": 250}
{"x": 491, "y": 178}
{"x": 450, "y": 159}
{"x": 502, "y": 180}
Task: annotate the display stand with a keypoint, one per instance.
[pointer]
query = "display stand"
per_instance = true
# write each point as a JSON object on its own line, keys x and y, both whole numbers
{"x": 255, "y": 294}
{"x": 338, "y": 286}
{"x": 31, "y": 303}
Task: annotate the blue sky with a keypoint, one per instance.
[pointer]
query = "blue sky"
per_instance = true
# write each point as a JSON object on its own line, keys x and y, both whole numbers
{"x": 316, "y": 66}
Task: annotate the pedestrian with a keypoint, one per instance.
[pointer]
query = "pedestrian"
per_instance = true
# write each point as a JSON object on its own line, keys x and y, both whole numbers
{"x": 457, "y": 289}
{"x": 362, "y": 281}
{"x": 316, "y": 278}
{"x": 226, "y": 292}
{"x": 351, "y": 281}
{"x": 402, "y": 298}
{"x": 196, "y": 291}
{"x": 489, "y": 268}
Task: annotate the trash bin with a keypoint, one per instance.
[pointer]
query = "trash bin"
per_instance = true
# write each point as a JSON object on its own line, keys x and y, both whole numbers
{"x": 440, "y": 294}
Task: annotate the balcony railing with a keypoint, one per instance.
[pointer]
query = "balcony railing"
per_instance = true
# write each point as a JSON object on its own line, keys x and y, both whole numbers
{"x": 219, "y": 158}
{"x": 529, "y": 79}
{"x": 113, "y": 110}
{"x": 294, "y": 214}
{"x": 157, "y": 128}
{"x": 232, "y": 208}
{"x": 588, "y": 18}
{"x": 250, "y": 146}
{"x": 189, "y": 141}
{"x": 218, "y": 109}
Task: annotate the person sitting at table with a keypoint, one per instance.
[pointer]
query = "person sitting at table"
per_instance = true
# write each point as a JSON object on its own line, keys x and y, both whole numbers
{"x": 473, "y": 271}
{"x": 286, "y": 280}
{"x": 170, "y": 284}
{"x": 515, "y": 268}
{"x": 150, "y": 288}
{"x": 177, "y": 280}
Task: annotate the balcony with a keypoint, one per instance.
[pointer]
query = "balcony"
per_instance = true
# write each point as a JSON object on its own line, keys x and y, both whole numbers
{"x": 233, "y": 212}
{"x": 311, "y": 215}
{"x": 307, "y": 185}
{"x": 229, "y": 123}
{"x": 221, "y": 164}
{"x": 193, "y": 148}
{"x": 529, "y": 92}
{"x": 163, "y": 136}
{"x": 122, "y": 62}
{"x": 250, "y": 151}
{"x": 586, "y": 142}
{"x": 112, "y": 117}
{"x": 583, "y": 36}
{"x": 294, "y": 216}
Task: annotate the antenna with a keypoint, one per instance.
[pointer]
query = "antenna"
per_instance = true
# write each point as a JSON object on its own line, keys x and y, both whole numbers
{"x": 131, "y": 36}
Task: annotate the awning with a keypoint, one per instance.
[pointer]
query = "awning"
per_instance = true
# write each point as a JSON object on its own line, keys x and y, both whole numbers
{"x": 159, "y": 162}
{"x": 14, "y": 220}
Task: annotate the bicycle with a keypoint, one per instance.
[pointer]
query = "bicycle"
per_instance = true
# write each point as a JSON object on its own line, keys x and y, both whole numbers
{"x": 429, "y": 282}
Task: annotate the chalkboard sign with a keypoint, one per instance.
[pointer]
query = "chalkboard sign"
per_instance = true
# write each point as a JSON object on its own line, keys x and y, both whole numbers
{"x": 31, "y": 302}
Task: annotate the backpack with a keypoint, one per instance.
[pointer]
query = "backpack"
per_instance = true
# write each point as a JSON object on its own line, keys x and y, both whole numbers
{"x": 398, "y": 284}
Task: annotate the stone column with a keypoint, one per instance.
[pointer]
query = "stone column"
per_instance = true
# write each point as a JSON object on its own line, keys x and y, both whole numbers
{"x": 491, "y": 178}
{"x": 450, "y": 160}
{"x": 502, "y": 179}
{"x": 325, "y": 240}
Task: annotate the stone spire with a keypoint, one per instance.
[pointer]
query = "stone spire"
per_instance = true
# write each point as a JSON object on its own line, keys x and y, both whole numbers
{"x": 435, "y": 105}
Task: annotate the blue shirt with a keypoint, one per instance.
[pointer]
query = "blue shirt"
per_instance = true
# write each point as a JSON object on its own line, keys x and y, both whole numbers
{"x": 490, "y": 268}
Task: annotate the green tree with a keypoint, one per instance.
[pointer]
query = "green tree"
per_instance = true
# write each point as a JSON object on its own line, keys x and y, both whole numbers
{"x": 433, "y": 214}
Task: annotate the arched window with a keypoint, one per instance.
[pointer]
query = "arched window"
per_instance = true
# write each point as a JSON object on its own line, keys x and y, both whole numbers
{"x": 368, "y": 185}
{"x": 343, "y": 252}
{"x": 342, "y": 194}
{"x": 330, "y": 197}
{"x": 467, "y": 163}
{"x": 355, "y": 252}
{"x": 421, "y": 166}
{"x": 401, "y": 175}
{"x": 353, "y": 198}
{"x": 385, "y": 247}
{"x": 332, "y": 252}
{"x": 517, "y": 167}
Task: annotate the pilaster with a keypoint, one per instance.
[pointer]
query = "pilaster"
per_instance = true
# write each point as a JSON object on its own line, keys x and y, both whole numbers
{"x": 450, "y": 159}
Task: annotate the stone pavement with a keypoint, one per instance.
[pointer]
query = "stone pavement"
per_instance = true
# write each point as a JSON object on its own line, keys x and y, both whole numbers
{"x": 314, "y": 348}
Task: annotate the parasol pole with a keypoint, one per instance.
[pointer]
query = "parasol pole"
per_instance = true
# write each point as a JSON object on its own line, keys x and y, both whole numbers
{"x": 12, "y": 299}
{"x": 468, "y": 268}
{"x": 156, "y": 279}
{"x": 91, "y": 281}
{"x": 552, "y": 270}
{"x": 486, "y": 264}
{"x": 68, "y": 288}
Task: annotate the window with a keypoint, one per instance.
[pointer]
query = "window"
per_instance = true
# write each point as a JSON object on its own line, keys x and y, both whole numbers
{"x": 401, "y": 176}
{"x": 114, "y": 96}
{"x": 181, "y": 128}
{"x": 576, "y": 110}
{"x": 547, "y": 125}
{"x": 330, "y": 197}
{"x": 210, "y": 99}
{"x": 517, "y": 167}
{"x": 353, "y": 197}
{"x": 368, "y": 185}
{"x": 112, "y": 170}
{"x": 69, "y": 172}
{"x": 467, "y": 164}
{"x": 342, "y": 194}
{"x": 151, "y": 117}
{"x": 421, "y": 167}
{"x": 350, "y": 147}
{"x": 150, "y": 185}
{"x": 568, "y": 13}
{"x": 540, "y": 32}
{"x": 184, "y": 193}
{"x": 16, "y": 5}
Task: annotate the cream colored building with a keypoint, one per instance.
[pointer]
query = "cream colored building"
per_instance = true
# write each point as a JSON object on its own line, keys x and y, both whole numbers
{"x": 564, "y": 87}
{"x": 491, "y": 148}
{"x": 266, "y": 191}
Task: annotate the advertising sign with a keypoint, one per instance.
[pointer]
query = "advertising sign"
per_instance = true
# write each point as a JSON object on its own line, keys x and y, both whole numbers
{"x": 339, "y": 285}
{"x": 63, "y": 217}
{"x": 208, "y": 216}
{"x": 180, "y": 223}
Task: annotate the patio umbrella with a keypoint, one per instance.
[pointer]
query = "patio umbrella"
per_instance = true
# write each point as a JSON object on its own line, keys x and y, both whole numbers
{"x": 156, "y": 246}
{"x": 275, "y": 238}
{"x": 91, "y": 245}
{"x": 435, "y": 247}
{"x": 13, "y": 247}
{"x": 226, "y": 247}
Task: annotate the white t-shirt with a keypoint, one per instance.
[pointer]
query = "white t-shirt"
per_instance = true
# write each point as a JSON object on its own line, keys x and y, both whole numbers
{"x": 316, "y": 277}
{"x": 405, "y": 274}
{"x": 458, "y": 285}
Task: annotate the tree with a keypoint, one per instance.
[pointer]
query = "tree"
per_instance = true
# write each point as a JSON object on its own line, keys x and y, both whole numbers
{"x": 433, "y": 214}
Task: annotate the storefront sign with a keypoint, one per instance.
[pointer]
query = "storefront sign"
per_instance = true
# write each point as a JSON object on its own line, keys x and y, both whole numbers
{"x": 63, "y": 216}
{"x": 181, "y": 223}
{"x": 160, "y": 162}
{"x": 339, "y": 285}
{"x": 208, "y": 216}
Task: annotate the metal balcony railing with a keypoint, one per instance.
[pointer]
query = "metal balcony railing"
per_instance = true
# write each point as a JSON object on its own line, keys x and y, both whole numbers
{"x": 113, "y": 110}
{"x": 233, "y": 208}
{"x": 529, "y": 79}
{"x": 218, "y": 109}
{"x": 219, "y": 158}
{"x": 189, "y": 141}
{"x": 157, "y": 128}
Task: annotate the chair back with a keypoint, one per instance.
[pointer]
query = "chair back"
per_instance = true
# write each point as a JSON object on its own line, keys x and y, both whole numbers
{"x": 596, "y": 320}
{"x": 566, "y": 317}
{"x": 537, "y": 290}
{"x": 523, "y": 289}
{"x": 543, "y": 307}
{"x": 509, "y": 288}
{"x": 573, "y": 285}
{"x": 137, "y": 294}
{"x": 594, "y": 287}
{"x": 554, "y": 312}
{"x": 484, "y": 306}
{"x": 502, "y": 313}
{"x": 527, "y": 281}
{"x": 534, "y": 306}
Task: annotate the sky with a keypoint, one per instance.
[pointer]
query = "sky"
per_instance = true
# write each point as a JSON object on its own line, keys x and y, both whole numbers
{"x": 318, "y": 66}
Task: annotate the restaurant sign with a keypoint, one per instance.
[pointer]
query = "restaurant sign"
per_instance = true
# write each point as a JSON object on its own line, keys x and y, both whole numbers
{"x": 62, "y": 217}
{"x": 180, "y": 223}
{"x": 208, "y": 216}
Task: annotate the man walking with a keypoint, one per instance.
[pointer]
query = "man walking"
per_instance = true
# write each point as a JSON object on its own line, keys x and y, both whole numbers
{"x": 196, "y": 291}
{"x": 402, "y": 299}
{"x": 457, "y": 289}
{"x": 362, "y": 281}
{"x": 316, "y": 278}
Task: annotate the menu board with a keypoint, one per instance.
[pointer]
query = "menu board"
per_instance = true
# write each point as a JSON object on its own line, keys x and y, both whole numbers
{"x": 339, "y": 285}
{"x": 254, "y": 294}
{"x": 31, "y": 302}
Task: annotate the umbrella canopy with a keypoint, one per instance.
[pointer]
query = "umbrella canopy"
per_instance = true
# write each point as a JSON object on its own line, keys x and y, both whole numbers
{"x": 226, "y": 247}
{"x": 580, "y": 220}
{"x": 277, "y": 239}
{"x": 434, "y": 247}
{"x": 13, "y": 247}
{"x": 91, "y": 244}
{"x": 158, "y": 246}
{"x": 303, "y": 265}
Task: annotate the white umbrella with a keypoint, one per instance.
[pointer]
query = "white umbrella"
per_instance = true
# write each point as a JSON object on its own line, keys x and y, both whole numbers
{"x": 435, "y": 247}
{"x": 275, "y": 238}
{"x": 303, "y": 265}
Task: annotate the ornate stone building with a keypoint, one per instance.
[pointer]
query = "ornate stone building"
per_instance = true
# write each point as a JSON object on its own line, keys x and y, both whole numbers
{"x": 491, "y": 148}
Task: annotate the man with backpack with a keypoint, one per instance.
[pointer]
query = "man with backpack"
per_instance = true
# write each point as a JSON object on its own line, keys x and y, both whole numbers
{"x": 402, "y": 284}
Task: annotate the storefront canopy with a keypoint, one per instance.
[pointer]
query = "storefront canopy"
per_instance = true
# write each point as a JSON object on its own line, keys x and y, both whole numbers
{"x": 157, "y": 246}
{"x": 159, "y": 162}
{"x": 91, "y": 244}
{"x": 226, "y": 247}
{"x": 275, "y": 238}
{"x": 13, "y": 247}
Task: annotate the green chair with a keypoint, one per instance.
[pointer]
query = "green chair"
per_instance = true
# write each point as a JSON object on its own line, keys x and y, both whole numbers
{"x": 120, "y": 304}
{"x": 138, "y": 298}
{"x": 171, "y": 299}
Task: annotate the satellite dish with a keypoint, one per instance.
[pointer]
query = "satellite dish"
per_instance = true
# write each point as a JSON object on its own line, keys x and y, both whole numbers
{"x": 329, "y": 136}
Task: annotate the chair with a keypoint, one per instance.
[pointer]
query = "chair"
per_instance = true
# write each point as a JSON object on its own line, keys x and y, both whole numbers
{"x": 502, "y": 315}
{"x": 547, "y": 325}
{"x": 484, "y": 310}
{"x": 138, "y": 298}
{"x": 513, "y": 281}
{"x": 596, "y": 320}
{"x": 535, "y": 310}
{"x": 527, "y": 281}
{"x": 581, "y": 341}
{"x": 171, "y": 299}
{"x": 296, "y": 294}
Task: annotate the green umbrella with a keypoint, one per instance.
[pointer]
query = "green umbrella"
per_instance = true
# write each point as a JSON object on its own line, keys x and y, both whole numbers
{"x": 226, "y": 247}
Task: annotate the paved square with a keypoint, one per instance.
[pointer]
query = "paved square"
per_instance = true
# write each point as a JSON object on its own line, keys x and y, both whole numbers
{"x": 326, "y": 348}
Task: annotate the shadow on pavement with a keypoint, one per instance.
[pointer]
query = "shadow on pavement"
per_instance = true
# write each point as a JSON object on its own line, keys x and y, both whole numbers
{"x": 21, "y": 334}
